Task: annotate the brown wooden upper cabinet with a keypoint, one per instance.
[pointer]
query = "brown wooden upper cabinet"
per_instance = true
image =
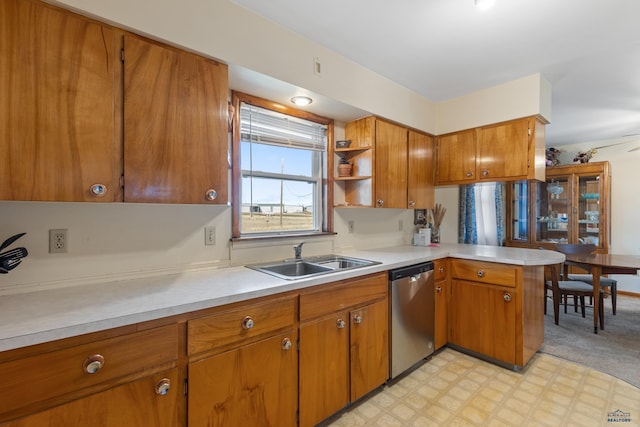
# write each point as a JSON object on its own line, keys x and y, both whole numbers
{"x": 58, "y": 133}
{"x": 402, "y": 162}
{"x": 504, "y": 151}
{"x": 175, "y": 125}
{"x": 68, "y": 99}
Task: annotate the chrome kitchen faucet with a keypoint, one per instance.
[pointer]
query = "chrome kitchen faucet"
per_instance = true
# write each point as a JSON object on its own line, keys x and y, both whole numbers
{"x": 297, "y": 250}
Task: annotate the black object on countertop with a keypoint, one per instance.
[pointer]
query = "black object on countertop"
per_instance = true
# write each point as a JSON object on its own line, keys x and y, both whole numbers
{"x": 11, "y": 258}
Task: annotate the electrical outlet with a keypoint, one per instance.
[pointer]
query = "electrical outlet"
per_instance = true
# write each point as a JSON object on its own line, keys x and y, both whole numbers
{"x": 58, "y": 241}
{"x": 209, "y": 236}
{"x": 350, "y": 226}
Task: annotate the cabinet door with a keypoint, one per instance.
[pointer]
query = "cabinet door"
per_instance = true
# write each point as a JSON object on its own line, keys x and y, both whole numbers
{"x": 175, "y": 125}
{"x": 369, "y": 353}
{"x": 254, "y": 385}
{"x": 456, "y": 157}
{"x": 483, "y": 319}
{"x": 57, "y": 114}
{"x": 421, "y": 171}
{"x": 441, "y": 290}
{"x": 137, "y": 404}
{"x": 391, "y": 165}
{"x": 503, "y": 151}
{"x": 324, "y": 368}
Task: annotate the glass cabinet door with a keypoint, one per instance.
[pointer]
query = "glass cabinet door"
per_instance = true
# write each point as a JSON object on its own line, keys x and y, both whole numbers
{"x": 519, "y": 195}
{"x": 588, "y": 210}
{"x": 553, "y": 201}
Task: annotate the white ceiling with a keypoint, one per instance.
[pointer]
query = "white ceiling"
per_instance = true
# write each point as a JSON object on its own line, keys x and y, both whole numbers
{"x": 589, "y": 50}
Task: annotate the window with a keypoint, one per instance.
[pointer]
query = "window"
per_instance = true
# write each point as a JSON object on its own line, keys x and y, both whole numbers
{"x": 280, "y": 169}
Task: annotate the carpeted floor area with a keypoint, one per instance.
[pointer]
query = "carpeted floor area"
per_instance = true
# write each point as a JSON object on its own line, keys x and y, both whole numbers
{"x": 614, "y": 350}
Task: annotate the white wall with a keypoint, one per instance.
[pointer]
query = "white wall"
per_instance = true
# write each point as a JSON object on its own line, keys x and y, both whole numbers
{"x": 625, "y": 200}
{"x": 528, "y": 96}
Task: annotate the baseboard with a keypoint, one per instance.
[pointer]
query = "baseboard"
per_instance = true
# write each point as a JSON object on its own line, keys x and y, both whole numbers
{"x": 629, "y": 294}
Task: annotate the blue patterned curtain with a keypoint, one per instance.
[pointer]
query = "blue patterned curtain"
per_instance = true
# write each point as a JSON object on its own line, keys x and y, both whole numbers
{"x": 482, "y": 214}
{"x": 467, "y": 215}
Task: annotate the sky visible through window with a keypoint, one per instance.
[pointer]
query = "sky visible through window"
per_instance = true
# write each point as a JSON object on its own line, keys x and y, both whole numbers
{"x": 273, "y": 159}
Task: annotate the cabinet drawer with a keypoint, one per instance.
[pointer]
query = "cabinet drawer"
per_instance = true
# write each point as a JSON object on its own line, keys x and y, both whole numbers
{"x": 240, "y": 324}
{"x": 485, "y": 272}
{"x": 54, "y": 374}
{"x": 440, "y": 269}
{"x": 347, "y": 293}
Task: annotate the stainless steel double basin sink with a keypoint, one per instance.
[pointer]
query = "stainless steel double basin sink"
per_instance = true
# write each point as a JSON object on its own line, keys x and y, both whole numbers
{"x": 291, "y": 269}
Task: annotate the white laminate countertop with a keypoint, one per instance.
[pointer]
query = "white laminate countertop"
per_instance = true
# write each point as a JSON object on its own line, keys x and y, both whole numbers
{"x": 36, "y": 317}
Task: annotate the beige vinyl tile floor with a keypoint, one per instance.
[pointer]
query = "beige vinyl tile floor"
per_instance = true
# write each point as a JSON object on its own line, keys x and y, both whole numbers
{"x": 454, "y": 389}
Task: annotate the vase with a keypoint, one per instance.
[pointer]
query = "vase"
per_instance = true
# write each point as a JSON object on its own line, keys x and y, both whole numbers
{"x": 344, "y": 169}
{"x": 435, "y": 235}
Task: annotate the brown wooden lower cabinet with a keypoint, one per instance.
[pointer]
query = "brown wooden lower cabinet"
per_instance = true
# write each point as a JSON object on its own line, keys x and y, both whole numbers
{"x": 344, "y": 347}
{"x": 495, "y": 310}
{"x": 483, "y": 319}
{"x": 441, "y": 286}
{"x": 254, "y": 385}
{"x": 136, "y": 404}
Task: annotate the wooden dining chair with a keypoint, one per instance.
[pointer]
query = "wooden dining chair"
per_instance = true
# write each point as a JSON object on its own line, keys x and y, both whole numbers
{"x": 605, "y": 282}
{"x": 561, "y": 290}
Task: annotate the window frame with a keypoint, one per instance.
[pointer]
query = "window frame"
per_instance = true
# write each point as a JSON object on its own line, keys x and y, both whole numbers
{"x": 326, "y": 190}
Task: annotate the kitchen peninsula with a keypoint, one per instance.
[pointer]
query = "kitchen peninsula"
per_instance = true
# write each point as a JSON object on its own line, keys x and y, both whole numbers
{"x": 102, "y": 341}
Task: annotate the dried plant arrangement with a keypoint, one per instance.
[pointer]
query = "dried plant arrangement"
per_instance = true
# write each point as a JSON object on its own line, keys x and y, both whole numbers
{"x": 437, "y": 215}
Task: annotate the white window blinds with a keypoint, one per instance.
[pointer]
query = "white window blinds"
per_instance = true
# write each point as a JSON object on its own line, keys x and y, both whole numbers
{"x": 264, "y": 126}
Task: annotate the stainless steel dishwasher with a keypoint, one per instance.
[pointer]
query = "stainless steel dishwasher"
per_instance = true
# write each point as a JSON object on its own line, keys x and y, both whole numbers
{"x": 412, "y": 316}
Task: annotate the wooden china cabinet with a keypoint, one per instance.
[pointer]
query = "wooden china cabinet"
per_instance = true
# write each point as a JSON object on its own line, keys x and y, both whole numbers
{"x": 571, "y": 206}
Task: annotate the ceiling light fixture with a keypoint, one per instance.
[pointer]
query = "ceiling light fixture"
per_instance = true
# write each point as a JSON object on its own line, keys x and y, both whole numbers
{"x": 484, "y": 4}
{"x": 301, "y": 101}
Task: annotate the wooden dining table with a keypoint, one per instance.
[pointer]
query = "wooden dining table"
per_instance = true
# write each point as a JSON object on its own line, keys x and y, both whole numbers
{"x": 603, "y": 264}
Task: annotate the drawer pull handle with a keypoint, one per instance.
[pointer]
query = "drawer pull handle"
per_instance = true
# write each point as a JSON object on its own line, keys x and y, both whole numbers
{"x": 163, "y": 386}
{"x": 247, "y": 322}
{"x": 439, "y": 289}
{"x": 98, "y": 190}
{"x": 507, "y": 296}
{"x": 93, "y": 364}
{"x": 357, "y": 319}
{"x": 480, "y": 273}
{"x": 211, "y": 194}
{"x": 286, "y": 344}
{"x": 340, "y": 324}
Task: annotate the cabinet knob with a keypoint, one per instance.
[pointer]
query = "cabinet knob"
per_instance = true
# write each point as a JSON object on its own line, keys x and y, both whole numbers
{"x": 439, "y": 289}
{"x": 286, "y": 344}
{"x": 411, "y": 203}
{"x": 507, "y": 297}
{"x": 340, "y": 324}
{"x": 480, "y": 273}
{"x": 211, "y": 194}
{"x": 98, "y": 190}
{"x": 380, "y": 203}
{"x": 93, "y": 364}
{"x": 247, "y": 322}
{"x": 469, "y": 174}
{"x": 357, "y": 319}
{"x": 163, "y": 386}
{"x": 441, "y": 269}
{"x": 485, "y": 173}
